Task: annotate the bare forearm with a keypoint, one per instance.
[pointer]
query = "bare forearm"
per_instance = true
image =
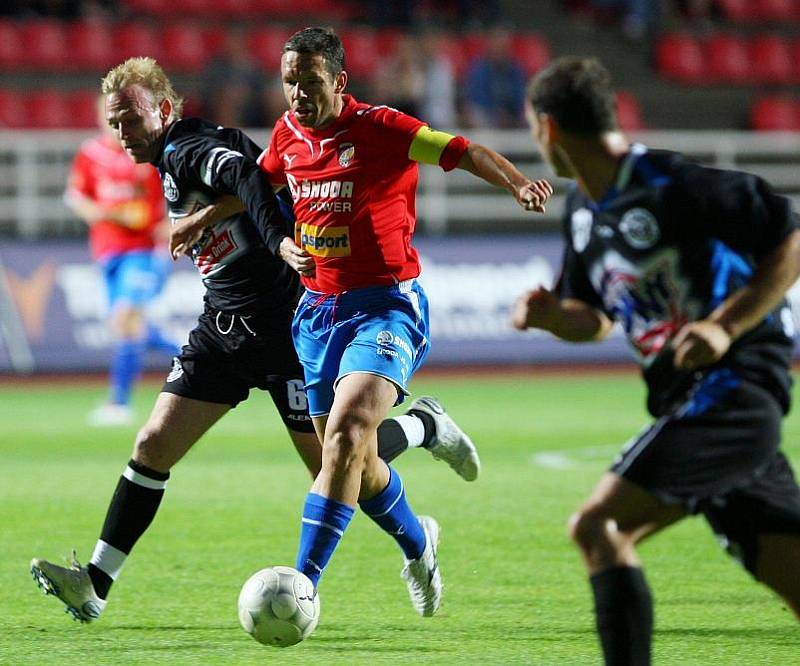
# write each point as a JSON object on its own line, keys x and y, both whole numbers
{"x": 89, "y": 211}
{"x": 221, "y": 209}
{"x": 747, "y": 307}
{"x": 492, "y": 167}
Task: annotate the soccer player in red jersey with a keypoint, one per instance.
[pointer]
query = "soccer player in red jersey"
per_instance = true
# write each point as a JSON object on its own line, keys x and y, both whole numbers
{"x": 122, "y": 204}
{"x": 361, "y": 329}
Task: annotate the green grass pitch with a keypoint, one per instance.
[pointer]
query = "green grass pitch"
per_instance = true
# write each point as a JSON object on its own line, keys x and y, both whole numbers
{"x": 514, "y": 588}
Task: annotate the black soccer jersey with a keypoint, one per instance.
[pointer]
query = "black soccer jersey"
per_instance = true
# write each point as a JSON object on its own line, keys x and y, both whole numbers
{"x": 665, "y": 246}
{"x": 237, "y": 257}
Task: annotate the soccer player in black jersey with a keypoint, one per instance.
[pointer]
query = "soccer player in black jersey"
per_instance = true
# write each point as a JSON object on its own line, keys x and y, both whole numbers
{"x": 694, "y": 264}
{"x": 250, "y": 268}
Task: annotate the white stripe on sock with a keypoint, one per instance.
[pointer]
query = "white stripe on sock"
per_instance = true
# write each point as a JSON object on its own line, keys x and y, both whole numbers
{"x": 145, "y": 481}
{"x": 414, "y": 429}
{"x": 108, "y": 559}
{"x": 333, "y": 529}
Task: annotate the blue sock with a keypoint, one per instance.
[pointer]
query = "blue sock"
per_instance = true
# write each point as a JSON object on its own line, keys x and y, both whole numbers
{"x": 324, "y": 523}
{"x": 157, "y": 341}
{"x": 125, "y": 369}
{"x": 390, "y": 510}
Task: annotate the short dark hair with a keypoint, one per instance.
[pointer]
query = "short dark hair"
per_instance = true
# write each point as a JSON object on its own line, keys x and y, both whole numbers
{"x": 322, "y": 41}
{"x": 577, "y": 93}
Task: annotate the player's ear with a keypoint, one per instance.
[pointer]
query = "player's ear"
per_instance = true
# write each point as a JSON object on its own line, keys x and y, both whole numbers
{"x": 164, "y": 109}
{"x": 340, "y": 82}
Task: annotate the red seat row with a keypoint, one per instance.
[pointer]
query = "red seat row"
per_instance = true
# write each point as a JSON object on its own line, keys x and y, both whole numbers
{"x": 237, "y": 9}
{"x": 48, "y": 109}
{"x": 760, "y": 11}
{"x": 47, "y": 45}
{"x": 772, "y": 113}
{"x": 728, "y": 59}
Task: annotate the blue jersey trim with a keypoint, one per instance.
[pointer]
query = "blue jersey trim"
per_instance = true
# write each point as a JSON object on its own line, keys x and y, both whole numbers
{"x": 713, "y": 388}
{"x": 729, "y": 269}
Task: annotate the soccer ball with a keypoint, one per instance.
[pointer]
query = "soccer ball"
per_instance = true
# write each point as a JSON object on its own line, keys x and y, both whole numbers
{"x": 278, "y": 606}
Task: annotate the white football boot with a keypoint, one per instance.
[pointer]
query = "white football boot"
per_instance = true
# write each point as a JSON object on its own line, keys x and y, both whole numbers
{"x": 72, "y": 585}
{"x": 451, "y": 443}
{"x": 422, "y": 575}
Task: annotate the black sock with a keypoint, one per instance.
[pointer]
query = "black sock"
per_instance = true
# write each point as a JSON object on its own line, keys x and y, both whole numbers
{"x": 392, "y": 440}
{"x": 132, "y": 509}
{"x": 429, "y": 425}
{"x": 624, "y": 611}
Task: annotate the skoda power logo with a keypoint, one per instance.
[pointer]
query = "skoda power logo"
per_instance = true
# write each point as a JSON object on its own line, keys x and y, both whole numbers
{"x": 384, "y": 338}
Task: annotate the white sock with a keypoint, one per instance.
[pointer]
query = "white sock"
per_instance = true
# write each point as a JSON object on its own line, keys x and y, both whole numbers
{"x": 108, "y": 559}
{"x": 413, "y": 428}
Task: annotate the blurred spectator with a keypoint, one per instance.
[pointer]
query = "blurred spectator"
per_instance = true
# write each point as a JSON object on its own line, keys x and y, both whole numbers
{"x": 233, "y": 86}
{"x": 438, "y": 104}
{"x": 495, "y": 85}
{"x": 638, "y": 17}
{"x": 400, "y": 80}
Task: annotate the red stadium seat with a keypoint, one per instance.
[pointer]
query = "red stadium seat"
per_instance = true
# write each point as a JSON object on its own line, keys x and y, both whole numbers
{"x": 728, "y": 59}
{"x": 83, "y": 108}
{"x": 12, "y": 50}
{"x": 266, "y": 46}
{"x": 137, "y": 39}
{"x": 184, "y": 47}
{"x": 775, "y": 113}
{"x": 455, "y": 53}
{"x": 361, "y": 51}
{"x": 531, "y": 50}
{"x": 680, "y": 57}
{"x": 740, "y": 10}
{"x": 13, "y": 110}
{"x": 48, "y": 109}
{"x": 776, "y": 10}
{"x": 46, "y": 44}
{"x": 771, "y": 59}
{"x": 629, "y": 113}
{"x": 91, "y": 45}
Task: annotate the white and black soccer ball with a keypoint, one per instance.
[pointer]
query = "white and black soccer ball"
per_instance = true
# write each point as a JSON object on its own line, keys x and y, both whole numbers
{"x": 278, "y": 606}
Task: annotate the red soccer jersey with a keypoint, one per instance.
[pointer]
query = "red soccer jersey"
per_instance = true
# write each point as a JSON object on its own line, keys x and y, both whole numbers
{"x": 103, "y": 172}
{"x": 354, "y": 189}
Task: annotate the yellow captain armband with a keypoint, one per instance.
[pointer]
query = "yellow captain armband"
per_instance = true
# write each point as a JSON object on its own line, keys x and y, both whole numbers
{"x": 428, "y": 145}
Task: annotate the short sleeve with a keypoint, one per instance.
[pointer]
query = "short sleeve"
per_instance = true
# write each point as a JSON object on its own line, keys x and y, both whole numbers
{"x": 271, "y": 162}
{"x": 394, "y": 129}
{"x": 80, "y": 179}
{"x": 739, "y": 209}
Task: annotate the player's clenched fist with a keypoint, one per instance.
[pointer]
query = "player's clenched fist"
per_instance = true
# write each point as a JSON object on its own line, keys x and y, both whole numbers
{"x": 536, "y": 308}
{"x": 534, "y": 194}
{"x": 700, "y": 343}
{"x": 296, "y": 257}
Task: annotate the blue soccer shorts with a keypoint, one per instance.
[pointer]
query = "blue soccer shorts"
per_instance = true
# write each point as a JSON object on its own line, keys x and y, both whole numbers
{"x": 133, "y": 278}
{"x": 376, "y": 330}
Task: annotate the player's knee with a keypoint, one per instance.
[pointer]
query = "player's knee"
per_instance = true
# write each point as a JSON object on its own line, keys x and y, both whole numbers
{"x": 345, "y": 447}
{"x": 587, "y": 527}
{"x": 152, "y": 449}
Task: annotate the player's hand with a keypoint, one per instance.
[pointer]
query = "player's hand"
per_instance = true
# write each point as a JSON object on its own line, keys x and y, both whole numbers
{"x": 297, "y": 257}
{"x": 700, "y": 343}
{"x": 537, "y": 308}
{"x": 184, "y": 235}
{"x": 534, "y": 194}
{"x": 130, "y": 214}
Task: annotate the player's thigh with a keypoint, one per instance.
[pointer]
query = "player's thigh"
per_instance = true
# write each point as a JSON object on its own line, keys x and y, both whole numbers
{"x": 361, "y": 402}
{"x": 635, "y": 511}
{"x": 174, "y": 425}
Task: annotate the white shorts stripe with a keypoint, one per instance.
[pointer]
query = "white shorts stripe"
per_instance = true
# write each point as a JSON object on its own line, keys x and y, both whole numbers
{"x": 141, "y": 480}
{"x": 333, "y": 529}
{"x": 108, "y": 559}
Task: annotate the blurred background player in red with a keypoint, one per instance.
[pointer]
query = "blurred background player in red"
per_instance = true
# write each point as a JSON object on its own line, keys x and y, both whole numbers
{"x": 123, "y": 205}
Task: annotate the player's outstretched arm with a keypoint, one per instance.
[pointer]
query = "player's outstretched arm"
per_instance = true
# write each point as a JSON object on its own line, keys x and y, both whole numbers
{"x": 497, "y": 170}
{"x": 566, "y": 318}
{"x": 704, "y": 342}
{"x": 188, "y": 230}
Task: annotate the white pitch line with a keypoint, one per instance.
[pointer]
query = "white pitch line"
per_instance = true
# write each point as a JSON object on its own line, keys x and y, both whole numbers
{"x": 571, "y": 458}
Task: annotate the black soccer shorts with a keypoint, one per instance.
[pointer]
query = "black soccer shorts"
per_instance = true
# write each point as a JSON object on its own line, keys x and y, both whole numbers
{"x": 227, "y": 355}
{"x": 718, "y": 455}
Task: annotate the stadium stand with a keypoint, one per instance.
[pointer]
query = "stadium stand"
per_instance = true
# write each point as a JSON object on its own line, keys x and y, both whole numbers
{"x": 775, "y": 113}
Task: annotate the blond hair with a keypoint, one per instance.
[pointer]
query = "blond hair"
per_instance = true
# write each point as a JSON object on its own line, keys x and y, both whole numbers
{"x": 147, "y": 73}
